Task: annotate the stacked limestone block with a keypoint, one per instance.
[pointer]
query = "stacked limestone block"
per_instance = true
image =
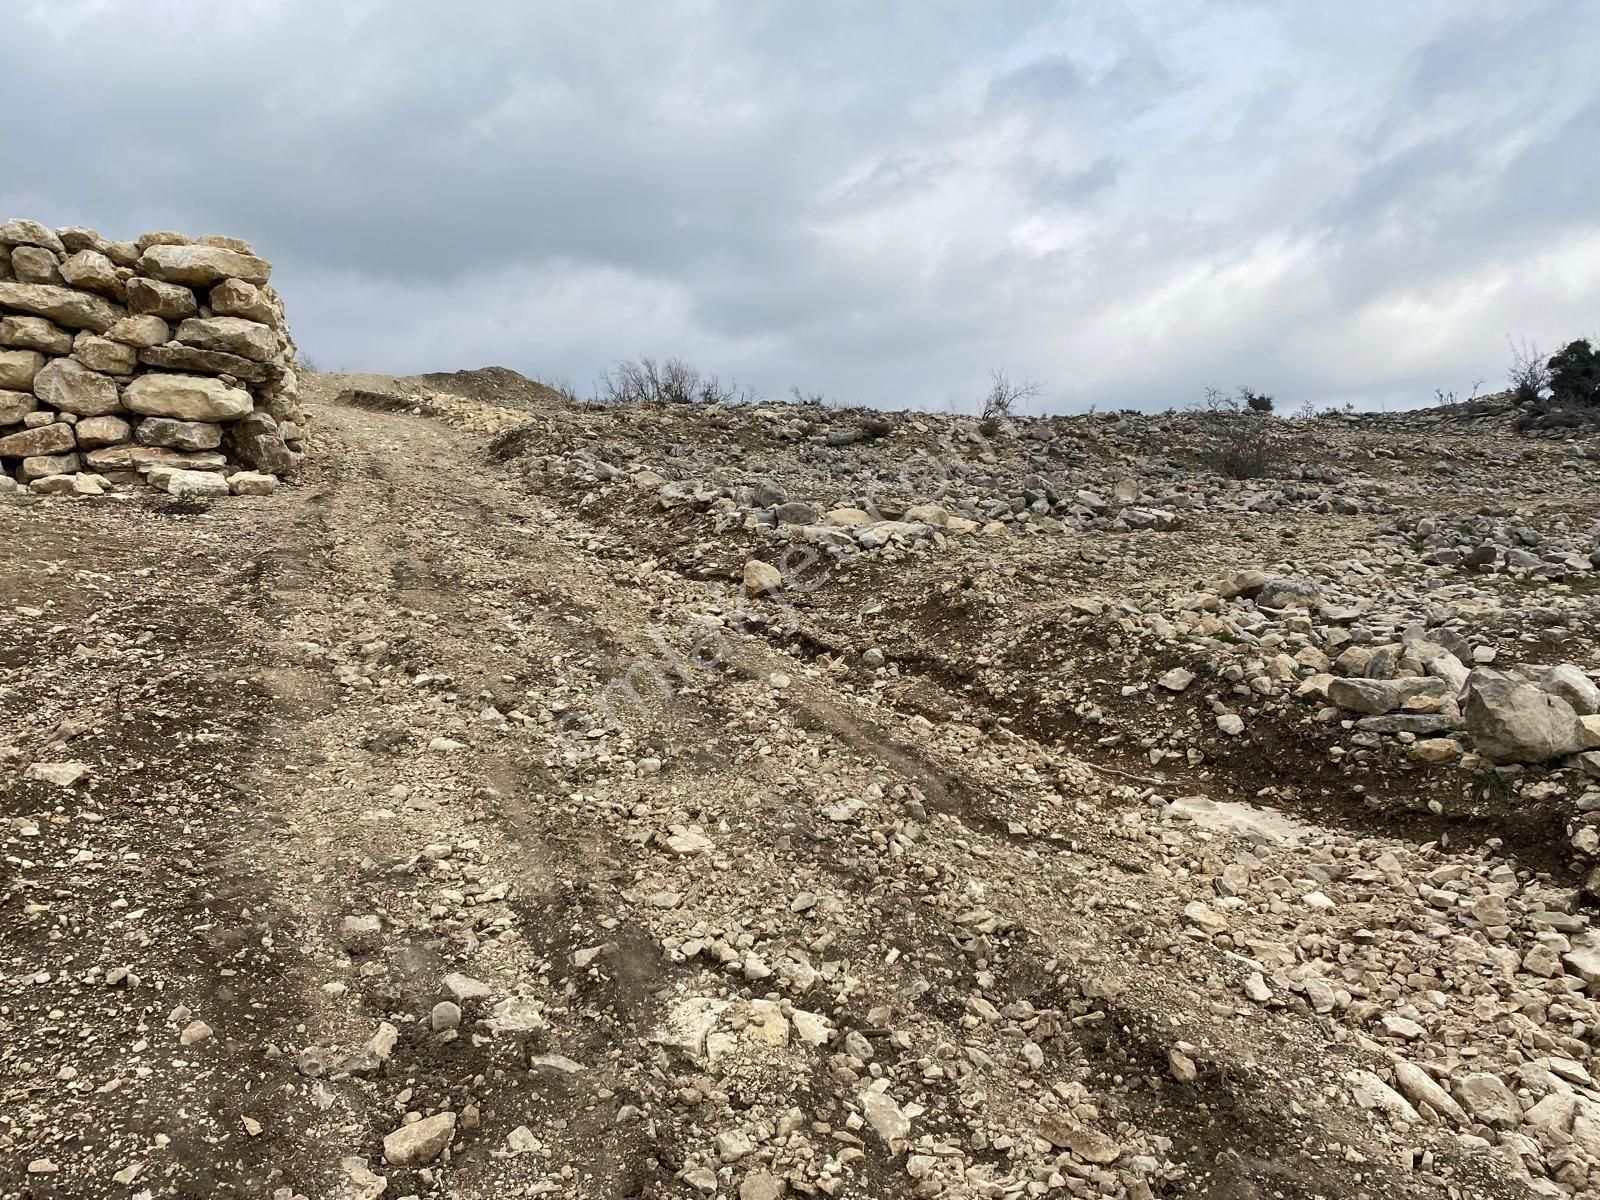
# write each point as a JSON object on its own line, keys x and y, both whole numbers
{"x": 163, "y": 361}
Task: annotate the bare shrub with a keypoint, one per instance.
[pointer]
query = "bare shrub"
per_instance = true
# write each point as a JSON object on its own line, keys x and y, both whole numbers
{"x": 1242, "y": 448}
{"x": 1529, "y": 376}
{"x": 1220, "y": 403}
{"x": 646, "y": 381}
{"x": 561, "y": 386}
{"x": 1004, "y": 396}
{"x": 1449, "y": 399}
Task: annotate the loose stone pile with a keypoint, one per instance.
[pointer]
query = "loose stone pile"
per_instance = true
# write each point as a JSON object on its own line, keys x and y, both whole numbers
{"x": 164, "y": 361}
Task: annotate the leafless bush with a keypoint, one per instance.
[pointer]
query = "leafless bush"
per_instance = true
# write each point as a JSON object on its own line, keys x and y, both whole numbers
{"x": 1245, "y": 399}
{"x": 1242, "y": 447}
{"x": 1529, "y": 376}
{"x": 1004, "y": 396}
{"x": 561, "y": 386}
{"x": 645, "y": 381}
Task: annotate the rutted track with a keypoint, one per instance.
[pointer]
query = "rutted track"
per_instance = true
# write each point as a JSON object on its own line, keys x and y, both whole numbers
{"x": 379, "y": 659}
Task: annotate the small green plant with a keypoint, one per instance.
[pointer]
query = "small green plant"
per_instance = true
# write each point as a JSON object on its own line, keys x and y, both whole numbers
{"x": 1490, "y": 787}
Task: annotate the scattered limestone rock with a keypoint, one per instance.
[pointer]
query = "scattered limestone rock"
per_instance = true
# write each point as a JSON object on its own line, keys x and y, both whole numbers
{"x": 252, "y": 483}
{"x": 192, "y": 484}
{"x": 61, "y": 774}
{"x": 1515, "y": 722}
{"x": 761, "y": 578}
{"x": 420, "y": 1142}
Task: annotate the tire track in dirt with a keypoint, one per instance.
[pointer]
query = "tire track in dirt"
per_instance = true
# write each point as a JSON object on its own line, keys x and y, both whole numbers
{"x": 412, "y": 622}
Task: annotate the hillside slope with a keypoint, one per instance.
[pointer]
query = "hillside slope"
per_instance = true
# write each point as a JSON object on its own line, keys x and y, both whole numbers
{"x": 1011, "y": 844}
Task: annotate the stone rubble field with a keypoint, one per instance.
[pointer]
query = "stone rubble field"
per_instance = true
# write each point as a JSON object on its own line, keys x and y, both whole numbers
{"x": 162, "y": 362}
{"x": 779, "y": 801}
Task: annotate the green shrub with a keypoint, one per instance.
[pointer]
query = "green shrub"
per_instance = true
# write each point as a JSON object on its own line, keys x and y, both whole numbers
{"x": 1575, "y": 374}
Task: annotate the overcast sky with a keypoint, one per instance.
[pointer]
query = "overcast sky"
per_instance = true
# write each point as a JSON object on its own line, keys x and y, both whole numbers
{"x": 878, "y": 201}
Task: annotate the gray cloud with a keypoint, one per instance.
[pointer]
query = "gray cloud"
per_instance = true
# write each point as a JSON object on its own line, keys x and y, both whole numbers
{"x": 1048, "y": 82}
{"x": 876, "y": 201}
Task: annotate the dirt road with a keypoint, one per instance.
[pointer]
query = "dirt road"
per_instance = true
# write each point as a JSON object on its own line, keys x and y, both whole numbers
{"x": 334, "y": 860}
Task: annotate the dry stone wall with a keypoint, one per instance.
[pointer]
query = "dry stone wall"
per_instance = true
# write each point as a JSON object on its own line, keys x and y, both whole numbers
{"x": 163, "y": 362}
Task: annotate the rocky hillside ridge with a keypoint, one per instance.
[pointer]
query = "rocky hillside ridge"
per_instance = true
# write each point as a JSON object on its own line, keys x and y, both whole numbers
{"x": 780, "y": 801}
{"x": 162, "y": 361}
{"x": 1346, "y": 710}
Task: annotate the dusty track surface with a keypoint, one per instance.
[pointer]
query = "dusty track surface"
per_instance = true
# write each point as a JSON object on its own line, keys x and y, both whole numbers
{"x": 781, "y": 936}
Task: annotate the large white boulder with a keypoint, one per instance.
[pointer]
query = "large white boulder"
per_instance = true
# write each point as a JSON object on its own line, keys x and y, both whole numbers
{"x": 169, "y": 301}
{"x": 102, "y": 431}
{"x": 34, "y": 333}
{"x": 69, "y": 386}
{"x": 179, "y": 435}
{"x": 230, "y": 335}
{"x": 236, "y": 298}
{"x": 15, "y": 405}
{"x": 187, "y": 397}
{"x": 188, "y": 484}
{"x": 17, "y": 369}
{"x": 1573, "y": 686}
{"x": 1512, "y": 721}
{"x": 1379, "y": 696}
{"x": 93, "y": 271}
{"x": 63, "y": 305}
{"x": 141, "y": 331}
{"x": 202, "y": 266}
{"x": 45, "y": 439}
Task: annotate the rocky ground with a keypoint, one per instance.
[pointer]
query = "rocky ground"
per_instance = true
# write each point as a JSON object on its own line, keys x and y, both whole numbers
{"x": 546, "y": 800}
